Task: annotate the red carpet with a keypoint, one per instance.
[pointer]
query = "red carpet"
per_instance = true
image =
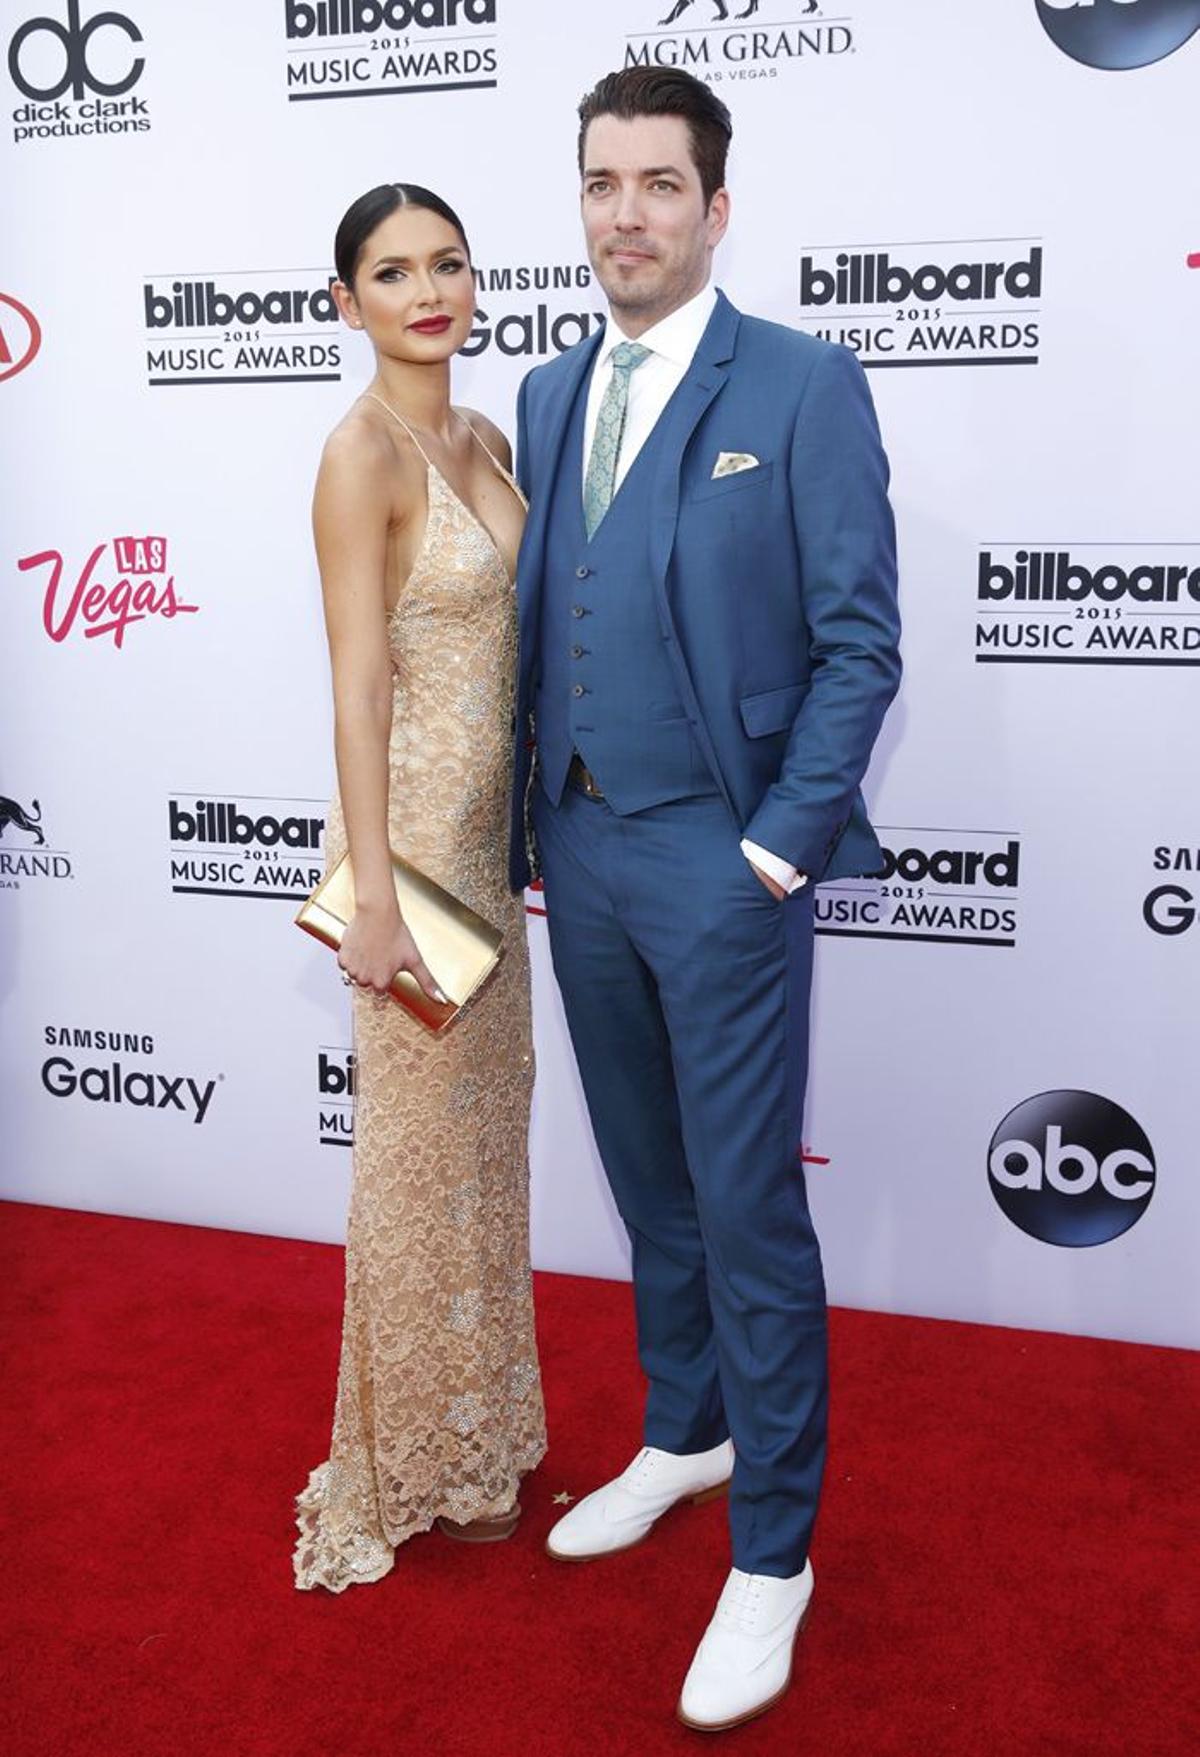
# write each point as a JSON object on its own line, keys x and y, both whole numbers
{"x": 1006, "y": 1561}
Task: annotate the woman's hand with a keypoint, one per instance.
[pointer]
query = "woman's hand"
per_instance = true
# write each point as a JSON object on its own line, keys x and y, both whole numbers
{"x": 377, "y": 945}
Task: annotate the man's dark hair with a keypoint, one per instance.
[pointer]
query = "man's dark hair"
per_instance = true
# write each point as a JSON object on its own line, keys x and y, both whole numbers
{"x": 370, "y": 210}
{"x": 666, "y": 91}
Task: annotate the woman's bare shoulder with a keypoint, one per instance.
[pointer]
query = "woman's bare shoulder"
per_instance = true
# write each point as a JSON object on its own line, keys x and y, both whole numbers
{"x": 360, "y": 440}
{"x": 361, "y": 460}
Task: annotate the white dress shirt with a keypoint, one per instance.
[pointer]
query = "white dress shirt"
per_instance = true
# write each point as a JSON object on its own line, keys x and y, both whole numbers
{"x": 672, "y": 342}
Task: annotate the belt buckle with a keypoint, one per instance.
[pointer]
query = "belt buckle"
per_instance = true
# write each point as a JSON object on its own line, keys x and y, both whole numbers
{"x": 583, "y": 778}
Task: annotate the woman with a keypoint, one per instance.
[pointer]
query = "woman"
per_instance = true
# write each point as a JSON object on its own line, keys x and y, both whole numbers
{"x": 417, "y": 522}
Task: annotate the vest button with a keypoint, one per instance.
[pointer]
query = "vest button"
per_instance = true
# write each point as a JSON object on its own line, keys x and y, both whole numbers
{"x": 581, "y": 573}
{"x": 578, "y": 689}
{"x": 577, "y": 610}
{"x": 577, "y": 652}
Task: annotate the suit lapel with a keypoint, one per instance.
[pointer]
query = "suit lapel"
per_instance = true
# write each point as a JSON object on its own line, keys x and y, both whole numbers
{"x": 703, "y": 381}
{"x": 548, "y": 454}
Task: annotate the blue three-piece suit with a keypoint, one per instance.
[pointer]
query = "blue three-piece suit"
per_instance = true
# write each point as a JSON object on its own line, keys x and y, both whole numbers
{"x": 720, "y": 655}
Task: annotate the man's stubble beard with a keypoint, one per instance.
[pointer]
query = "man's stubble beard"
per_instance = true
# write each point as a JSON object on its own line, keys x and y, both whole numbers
{"x": 656, "y": 301}
{"x": 624, "y": 294}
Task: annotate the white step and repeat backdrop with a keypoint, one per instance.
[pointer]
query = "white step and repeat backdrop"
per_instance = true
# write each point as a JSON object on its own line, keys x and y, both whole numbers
{"x": 995, "y": 205}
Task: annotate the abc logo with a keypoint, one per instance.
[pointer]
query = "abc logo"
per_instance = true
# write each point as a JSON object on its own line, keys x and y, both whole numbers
{"x": 1118, "y": 34}
{"x": 1071, "y": 1168}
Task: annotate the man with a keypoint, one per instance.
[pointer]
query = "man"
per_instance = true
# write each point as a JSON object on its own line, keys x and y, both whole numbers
{"x": 708, "y": 646}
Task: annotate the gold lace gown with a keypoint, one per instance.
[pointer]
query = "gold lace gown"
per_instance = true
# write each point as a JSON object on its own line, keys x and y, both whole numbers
{"x": 439, "y": 1404}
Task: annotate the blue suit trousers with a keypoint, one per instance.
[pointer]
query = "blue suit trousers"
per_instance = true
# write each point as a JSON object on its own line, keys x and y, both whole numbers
{"x": 686, "y": 987}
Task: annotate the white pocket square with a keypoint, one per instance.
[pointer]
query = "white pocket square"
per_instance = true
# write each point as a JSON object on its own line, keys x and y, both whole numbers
{"x": 730, "y": 462}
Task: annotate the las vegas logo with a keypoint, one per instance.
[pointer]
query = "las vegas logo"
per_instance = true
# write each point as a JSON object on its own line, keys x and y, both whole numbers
{"x": 110, "y": 592}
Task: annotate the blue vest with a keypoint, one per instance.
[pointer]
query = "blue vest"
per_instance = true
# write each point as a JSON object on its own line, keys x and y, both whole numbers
{"x": 606, "y": 688}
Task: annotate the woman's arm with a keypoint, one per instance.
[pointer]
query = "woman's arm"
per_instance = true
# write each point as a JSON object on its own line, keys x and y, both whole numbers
{"x": 351, "y": 510}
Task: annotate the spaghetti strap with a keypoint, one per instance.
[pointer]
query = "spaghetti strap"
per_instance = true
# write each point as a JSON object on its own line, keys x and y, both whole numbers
{"x": 483, "y": 442}
{"x": 429, "y": 463}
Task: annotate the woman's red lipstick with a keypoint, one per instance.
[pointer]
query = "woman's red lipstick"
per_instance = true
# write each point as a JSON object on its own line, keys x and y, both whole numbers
{"x": 431, "y": 326}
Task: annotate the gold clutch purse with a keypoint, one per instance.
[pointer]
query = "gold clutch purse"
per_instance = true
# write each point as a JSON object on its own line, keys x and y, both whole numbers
{"x": 460, "y": 947}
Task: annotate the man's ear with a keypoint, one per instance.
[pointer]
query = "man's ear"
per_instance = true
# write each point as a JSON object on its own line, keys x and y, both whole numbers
{"x": 718, "y": 217}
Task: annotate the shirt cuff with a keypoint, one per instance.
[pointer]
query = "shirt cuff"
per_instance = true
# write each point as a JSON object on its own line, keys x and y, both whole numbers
{"x": 780, "y": 870}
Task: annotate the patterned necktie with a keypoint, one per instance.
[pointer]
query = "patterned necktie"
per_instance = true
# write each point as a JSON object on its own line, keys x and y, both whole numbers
{"x": 600, "y": 482}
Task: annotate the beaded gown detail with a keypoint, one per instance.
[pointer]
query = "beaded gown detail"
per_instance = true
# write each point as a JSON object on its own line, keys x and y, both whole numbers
{"x": 439, "y": 1405}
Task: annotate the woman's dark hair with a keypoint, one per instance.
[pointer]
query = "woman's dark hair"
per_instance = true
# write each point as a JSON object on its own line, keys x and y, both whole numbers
{"x": 666, "y": 91}
{"x": 370, "y": 210}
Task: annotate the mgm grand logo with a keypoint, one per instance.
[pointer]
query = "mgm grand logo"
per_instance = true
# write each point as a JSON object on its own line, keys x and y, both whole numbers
{"x": 29, "y": 857}
{"x": 12, "y": 814}
{"x": 755, "y": 41}
{"x": 721, "y": 10}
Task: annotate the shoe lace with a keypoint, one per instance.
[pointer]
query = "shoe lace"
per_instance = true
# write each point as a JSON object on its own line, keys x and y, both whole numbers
{"x": 642, "y": 1468}
{"x": 741, "y": 1602}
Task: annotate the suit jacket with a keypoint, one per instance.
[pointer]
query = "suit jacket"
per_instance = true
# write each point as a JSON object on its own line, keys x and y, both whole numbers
{"x": 775, "y": 586}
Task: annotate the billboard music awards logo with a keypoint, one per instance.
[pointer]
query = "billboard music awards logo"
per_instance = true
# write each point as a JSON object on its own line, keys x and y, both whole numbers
{"x": 24, "y": 850}
{"x": 110, "y": 592}
{"x": 108, "y": 1067}
{"x": 1119, "y": 34}
{"x": 20, "y": 336}
{"x": 243, "y": 846}
{"x": 944, "y": 887}
{"x": 77, "y": 73}
{"x": 1071, "y": 1168}
{"x": 1172, "y": 905}
{"x": 262, "y": 326}
{"x": 335, "y": 1096}
{"x": 748, "y": 40}
{"x": 532, "y": 310}
{"x": 389, "y": 48}
{"x": 960, "y": 302}
{"x": 1088, "y": 604}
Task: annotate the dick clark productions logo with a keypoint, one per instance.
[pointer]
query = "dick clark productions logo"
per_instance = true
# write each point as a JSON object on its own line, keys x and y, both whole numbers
{"x": 77, "y": 76}
{"x": 1071, "y": 1168}
{"x": 1116, "y": 35}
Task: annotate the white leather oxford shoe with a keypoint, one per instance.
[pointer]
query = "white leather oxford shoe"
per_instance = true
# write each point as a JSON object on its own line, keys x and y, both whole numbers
{"x": 743, "y": 1665}
{"x": 621, "y": 1513}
